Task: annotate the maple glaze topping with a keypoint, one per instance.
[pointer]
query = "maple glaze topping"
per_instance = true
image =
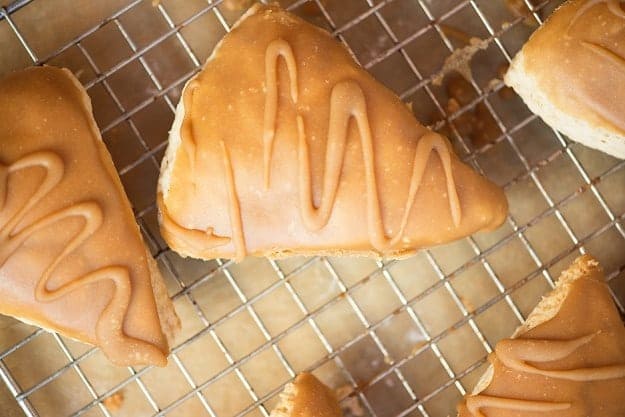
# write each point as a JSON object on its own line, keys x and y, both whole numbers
{"x": 347, "y": 102}
{"x": 190, "y": 145}
{"x": 572, "y": 365}
{"x": 276, "y": 49}
{"x": 518, "y": 353}
{"x": 475, "y": 404}
{"x": 234, "y": 206}
{"x": 313, "y": 144}
{"x": 188, "y": 240}
{"x": 578, "y": 59}
{"x": 63, "y": 218}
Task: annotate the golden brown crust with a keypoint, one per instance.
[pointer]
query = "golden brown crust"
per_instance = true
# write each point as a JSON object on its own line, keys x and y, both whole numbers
{"x": 572, "y": 73}
{"x": 72, "y": 258}
{"x": 306, "y": 396}
{"x": 570, "y": 365}
{"x": 287, "y": 146}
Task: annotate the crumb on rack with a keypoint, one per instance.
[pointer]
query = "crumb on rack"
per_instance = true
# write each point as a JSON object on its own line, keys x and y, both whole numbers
{"x": 477, "y": 123}
{"x": 467, "y": 303}
{"x": 115, "y": 401}
{"x": 460, "y": 60}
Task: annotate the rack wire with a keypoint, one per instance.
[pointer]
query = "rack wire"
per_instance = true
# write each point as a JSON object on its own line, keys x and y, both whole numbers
{"x": 400, "y": 338}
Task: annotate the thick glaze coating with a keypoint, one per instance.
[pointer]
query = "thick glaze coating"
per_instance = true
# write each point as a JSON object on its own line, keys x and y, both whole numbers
{"x": 286, "y": 146}
{"x": 71, "y": 256}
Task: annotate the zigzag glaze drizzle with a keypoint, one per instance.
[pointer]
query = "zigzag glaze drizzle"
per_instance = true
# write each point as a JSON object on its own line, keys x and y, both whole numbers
{"x": 347, "y": 102}
{"x": 276, "y": 49}
{"x": 475, "y": 404}
{"x": 109, "y": 328}
{"x": 189, "y": 145}
{"x": 234, "y": 207}
{"x": 515, "y": 353}
{"x": 614, "y": 7}
{"x": 605, "y": 53}
{"x": 601, "y": 51}
{"x": 193, "y": 239}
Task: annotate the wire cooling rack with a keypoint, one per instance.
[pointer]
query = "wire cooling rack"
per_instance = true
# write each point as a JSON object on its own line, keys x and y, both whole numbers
{"x": 396, "y": 338}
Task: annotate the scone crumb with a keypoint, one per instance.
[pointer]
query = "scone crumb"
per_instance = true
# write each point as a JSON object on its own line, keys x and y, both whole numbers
{"x": 115, "y": 401}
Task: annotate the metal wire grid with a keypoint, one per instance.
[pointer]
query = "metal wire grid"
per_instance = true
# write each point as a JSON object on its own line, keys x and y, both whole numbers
{"x": 310, "y": 316}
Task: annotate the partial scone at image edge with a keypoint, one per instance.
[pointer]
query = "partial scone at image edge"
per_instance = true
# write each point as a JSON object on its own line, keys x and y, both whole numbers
{"x": 567, "y": 359}
{"x": 571, "y": 73}
{"x": 325, "y": 159}
{"x": 73, "y": 258}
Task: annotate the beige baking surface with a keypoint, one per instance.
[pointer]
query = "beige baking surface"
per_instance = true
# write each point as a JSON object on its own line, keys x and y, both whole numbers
{"x": 406, "y": 337}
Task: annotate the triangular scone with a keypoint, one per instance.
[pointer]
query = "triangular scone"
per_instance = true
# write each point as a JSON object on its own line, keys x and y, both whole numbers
{"x": 306, "y": 396}
{"x": 72, "y": 259}
{"x": 572, "y": 73}
{"x": 566, "y": 360}
{"x": 283, "y": 145}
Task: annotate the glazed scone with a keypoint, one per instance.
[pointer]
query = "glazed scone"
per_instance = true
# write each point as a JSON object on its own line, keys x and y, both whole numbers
{"x": 72, "y": 259}
{"x": 306, "y": 396}
{"x": 572, "y": 73}
{"x": 566, "y": 360}
{"x": 282, "y": 145}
